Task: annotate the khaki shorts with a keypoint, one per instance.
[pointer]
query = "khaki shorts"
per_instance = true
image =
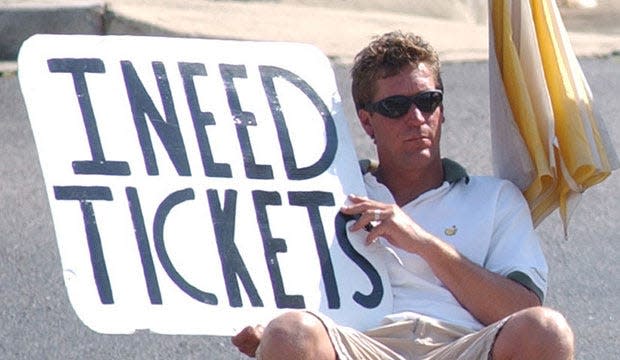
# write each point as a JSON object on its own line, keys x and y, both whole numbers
{"x": 419, "y": 338}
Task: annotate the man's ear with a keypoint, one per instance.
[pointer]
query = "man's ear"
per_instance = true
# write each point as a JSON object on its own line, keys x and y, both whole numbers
{"x": 364, "y": 117}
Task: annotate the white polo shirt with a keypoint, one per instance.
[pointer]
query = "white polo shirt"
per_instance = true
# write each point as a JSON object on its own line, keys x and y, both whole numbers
{"x": 487, "y": 220}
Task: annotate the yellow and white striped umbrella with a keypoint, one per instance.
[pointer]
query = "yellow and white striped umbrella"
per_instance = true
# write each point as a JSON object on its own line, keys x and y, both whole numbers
{"x": 547, "y": 136}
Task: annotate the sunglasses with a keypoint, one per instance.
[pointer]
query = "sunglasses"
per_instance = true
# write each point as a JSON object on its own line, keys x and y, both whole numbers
{"x": 398, "y": 105}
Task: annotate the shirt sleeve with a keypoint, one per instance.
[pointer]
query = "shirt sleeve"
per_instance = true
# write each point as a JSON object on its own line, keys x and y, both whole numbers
{"x": 515, "y": 250}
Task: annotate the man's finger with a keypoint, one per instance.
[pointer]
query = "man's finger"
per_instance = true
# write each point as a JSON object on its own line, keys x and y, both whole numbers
{"x": 247, "y": 340}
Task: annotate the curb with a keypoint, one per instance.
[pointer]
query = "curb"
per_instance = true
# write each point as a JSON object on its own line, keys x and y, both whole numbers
{"x": 210, "y": 19}
{"x": 19, "y": 22}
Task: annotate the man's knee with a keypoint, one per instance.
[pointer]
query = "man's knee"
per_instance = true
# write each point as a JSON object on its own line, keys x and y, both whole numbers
{"x": 296, "y": 335}
{"x": 539, "y": 330}
{"x": 553, "y": 328}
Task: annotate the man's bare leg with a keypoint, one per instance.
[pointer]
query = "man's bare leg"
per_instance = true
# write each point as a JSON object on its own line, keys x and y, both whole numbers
{"x": 293, "y": 335}
{"x": 535, "y": 333}
{"x": 296, "y": 335}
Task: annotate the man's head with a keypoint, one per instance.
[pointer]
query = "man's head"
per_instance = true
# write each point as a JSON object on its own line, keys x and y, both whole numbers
{"x": 386, "y": 56}
{"x": 398, "y": 95}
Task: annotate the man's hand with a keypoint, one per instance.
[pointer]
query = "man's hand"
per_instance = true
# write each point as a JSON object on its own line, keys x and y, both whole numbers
{"x": 388, "y": 221}
{"x": 247, "y": 340}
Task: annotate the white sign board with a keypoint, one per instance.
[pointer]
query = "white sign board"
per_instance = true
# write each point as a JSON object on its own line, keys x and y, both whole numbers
{"x": 195, "y": 185}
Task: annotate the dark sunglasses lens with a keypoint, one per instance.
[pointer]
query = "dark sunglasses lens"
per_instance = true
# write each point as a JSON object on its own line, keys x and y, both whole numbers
{"x": 395, "y": 106}
{"x": 428, "y": 101}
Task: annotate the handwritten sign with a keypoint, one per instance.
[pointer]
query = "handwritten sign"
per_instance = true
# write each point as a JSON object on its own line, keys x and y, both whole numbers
{"x": 195, "y": 184}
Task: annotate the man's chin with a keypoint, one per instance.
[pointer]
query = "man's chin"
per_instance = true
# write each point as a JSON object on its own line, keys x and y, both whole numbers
{"x": 423, "y": 154}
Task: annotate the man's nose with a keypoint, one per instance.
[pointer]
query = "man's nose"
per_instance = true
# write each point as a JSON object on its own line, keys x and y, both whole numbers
{"x": 415, "y": 116}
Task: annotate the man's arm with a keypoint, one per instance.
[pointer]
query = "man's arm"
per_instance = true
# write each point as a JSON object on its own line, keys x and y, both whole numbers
{"x": 487, "y": 296}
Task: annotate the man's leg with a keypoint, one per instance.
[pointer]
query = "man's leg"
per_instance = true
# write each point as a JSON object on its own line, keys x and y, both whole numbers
{"x": 296, "y": 335}
{"x": 535, "y": 333}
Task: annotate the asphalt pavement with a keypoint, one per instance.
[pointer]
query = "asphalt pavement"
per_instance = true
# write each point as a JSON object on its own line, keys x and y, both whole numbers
{"x": 37, "y": 319}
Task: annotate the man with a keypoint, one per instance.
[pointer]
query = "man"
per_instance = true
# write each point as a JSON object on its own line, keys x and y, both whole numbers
{"x": 466, "y": 269}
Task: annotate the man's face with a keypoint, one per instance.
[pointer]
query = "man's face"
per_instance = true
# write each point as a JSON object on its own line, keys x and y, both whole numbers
{"x": 412, "y": 140}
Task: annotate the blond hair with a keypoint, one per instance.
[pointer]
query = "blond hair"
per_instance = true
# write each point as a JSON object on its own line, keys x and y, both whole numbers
{"x": 385, "y": 56}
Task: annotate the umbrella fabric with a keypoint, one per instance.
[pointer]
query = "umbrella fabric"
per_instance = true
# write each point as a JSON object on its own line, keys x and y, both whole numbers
{"x": 547, "y": 136}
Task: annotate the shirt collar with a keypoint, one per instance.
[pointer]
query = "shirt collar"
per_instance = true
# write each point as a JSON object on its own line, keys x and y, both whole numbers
{"x": 453, "y": 172}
